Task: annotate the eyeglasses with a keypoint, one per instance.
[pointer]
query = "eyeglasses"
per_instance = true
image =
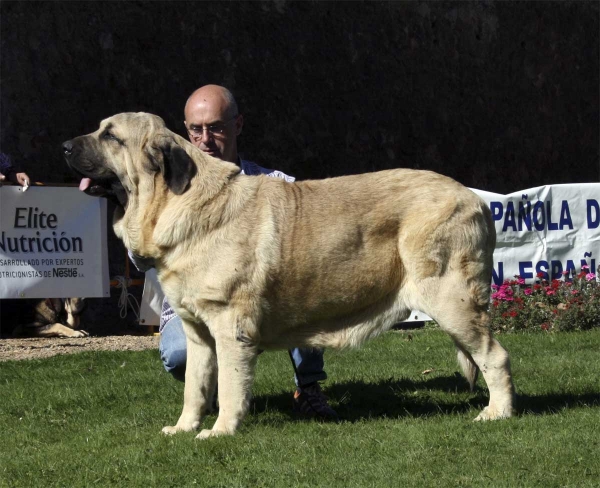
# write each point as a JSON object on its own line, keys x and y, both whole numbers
{"x": 215, "y": 130}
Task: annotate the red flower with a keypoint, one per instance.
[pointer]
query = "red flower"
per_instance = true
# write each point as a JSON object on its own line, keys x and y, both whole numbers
{"x": 540, "y": 274}
{"x": 544, "y": 327}
{"x": 513, "y": 313}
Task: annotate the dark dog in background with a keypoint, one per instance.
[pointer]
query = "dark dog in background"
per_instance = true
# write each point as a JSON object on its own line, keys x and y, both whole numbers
{"x": 50, "y": 317}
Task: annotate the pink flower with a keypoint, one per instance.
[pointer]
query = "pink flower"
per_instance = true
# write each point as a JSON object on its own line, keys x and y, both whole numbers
{"x": 528, "y": 291}
{"x": 574, "y": 292}
{"x": 505, "y": 292}
{"x": 550, "y": 291}
{"x": 565, "y": 273}
{"x": 585, "y": 266}
{"x": 590, "y": 276}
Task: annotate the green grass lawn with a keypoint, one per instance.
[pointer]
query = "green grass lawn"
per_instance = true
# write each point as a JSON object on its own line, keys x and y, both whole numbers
{"x": 94, "y": 419}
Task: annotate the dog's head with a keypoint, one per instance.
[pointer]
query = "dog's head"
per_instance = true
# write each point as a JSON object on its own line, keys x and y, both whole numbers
{"x": 124, "y": 151}
{"x": 158, "y": 180}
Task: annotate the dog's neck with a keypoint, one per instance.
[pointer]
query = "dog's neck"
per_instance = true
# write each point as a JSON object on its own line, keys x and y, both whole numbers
{"x": 158, "y": 219}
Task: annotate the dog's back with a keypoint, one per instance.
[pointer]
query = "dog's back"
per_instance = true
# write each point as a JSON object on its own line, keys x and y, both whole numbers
{"x": 372, "y": 243}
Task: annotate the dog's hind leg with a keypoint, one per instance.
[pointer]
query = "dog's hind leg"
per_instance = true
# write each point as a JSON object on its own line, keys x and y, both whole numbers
{"x": 200, "y": 378}
{"x": 468, "y": 366}
{"x": 236, "y": 358}
{"x": 466, "y": 319}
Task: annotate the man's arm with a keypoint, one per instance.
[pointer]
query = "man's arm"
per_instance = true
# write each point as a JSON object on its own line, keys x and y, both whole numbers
{"x": 8, "y": 172}
{"x": 252, "y": 169}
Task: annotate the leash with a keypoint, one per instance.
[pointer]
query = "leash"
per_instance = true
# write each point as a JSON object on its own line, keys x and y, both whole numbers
{"x": 126, "y": 298}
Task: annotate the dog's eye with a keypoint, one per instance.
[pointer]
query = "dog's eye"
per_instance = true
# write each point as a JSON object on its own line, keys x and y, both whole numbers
{"x": 109, "y": 136}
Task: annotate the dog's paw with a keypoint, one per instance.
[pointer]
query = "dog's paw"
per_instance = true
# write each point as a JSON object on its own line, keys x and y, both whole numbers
{"x": 80, "y": 333}
{"x": 174, "y": 429}
{"x": 207, "y": 433}
{"x": 489, "y": 413}
{"x": 170, "y": 430}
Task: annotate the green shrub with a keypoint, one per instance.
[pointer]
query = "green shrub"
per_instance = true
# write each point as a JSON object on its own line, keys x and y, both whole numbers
{"x": 571, "y": 303}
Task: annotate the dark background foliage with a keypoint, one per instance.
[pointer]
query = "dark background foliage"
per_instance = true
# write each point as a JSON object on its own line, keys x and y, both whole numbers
{"x": 500, "y": 95}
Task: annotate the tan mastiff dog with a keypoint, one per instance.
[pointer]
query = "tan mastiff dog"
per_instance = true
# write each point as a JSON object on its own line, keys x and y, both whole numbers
{"x": 252, "y": 262}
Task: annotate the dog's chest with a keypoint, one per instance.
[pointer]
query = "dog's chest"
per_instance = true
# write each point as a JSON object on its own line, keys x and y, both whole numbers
{"x": 205, "y": 287}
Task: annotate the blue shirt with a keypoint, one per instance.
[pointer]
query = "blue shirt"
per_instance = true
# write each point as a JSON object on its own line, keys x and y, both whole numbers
{"x": 252, "y": 169}
{"x": 6, "y": 166}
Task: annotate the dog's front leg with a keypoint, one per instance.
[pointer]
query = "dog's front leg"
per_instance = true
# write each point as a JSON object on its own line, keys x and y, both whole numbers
{"x": 200, "y": 378}
{"x": 236, "y": 361}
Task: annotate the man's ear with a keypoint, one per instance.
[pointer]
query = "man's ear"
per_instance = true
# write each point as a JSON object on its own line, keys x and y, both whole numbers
{"x": 176, "y": 166}
{"x": 239, "y": 123}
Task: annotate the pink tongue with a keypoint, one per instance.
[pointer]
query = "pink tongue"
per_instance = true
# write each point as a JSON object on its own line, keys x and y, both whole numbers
{"x": 85, "y": 183}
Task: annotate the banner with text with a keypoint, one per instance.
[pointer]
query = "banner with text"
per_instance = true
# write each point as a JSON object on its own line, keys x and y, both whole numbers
{"x": 548, "y": 230}
{"x": 52, "y": 243}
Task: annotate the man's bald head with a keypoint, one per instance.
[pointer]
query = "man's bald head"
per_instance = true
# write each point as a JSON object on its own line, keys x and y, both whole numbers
{"x": 216, "y": 96}
{"x": 213, "y": 106}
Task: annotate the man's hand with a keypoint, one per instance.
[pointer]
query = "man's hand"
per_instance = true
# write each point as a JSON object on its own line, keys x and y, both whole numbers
{"x": 23, "y": 180}
{"x": 20, "y": 178}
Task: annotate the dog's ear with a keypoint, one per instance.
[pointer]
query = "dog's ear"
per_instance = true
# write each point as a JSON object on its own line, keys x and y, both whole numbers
{"x": 179, "y": 168}
{"x": 176, "y": 166}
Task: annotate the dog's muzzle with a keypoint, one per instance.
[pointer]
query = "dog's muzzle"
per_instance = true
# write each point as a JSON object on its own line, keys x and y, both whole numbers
{"x": 67, "y": 148}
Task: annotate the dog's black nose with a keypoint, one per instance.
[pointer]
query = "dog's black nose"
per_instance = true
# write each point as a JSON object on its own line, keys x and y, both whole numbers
{"x": 67, "y": 148}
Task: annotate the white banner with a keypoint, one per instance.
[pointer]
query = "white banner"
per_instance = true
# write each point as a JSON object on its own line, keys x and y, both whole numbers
{"x": 548, "y": 229}
{"x": 52, "y": 243}
{"x": 152, "y": 299}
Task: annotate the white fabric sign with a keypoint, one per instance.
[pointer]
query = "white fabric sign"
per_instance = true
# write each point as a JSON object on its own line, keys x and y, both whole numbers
{"x": 52, "y": 243}
{"x": 152, "y": 299}
{"x": 547, "y": 229}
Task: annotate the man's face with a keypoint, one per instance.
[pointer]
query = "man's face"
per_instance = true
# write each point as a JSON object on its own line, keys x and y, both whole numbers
{"x": 212, "y": 127}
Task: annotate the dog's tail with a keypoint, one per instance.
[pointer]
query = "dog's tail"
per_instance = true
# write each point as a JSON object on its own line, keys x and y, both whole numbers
{"x": 468, "y": 366}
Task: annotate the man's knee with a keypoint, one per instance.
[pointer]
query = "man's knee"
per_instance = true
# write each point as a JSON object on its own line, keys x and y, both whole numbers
{"x": 173, "y": 348}
{"x": 174, "y": 362}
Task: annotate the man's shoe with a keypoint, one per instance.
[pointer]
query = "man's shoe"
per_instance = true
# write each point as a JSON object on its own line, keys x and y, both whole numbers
{"x": 310, "y": 401}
